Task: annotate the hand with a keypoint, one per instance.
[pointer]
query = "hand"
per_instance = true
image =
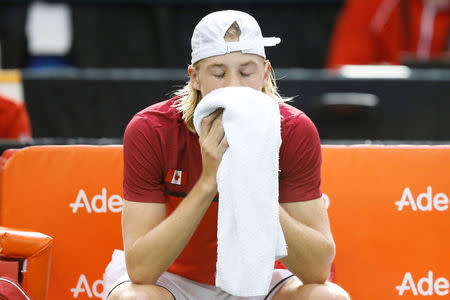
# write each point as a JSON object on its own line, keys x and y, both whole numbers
{"x": 213, "y": 144}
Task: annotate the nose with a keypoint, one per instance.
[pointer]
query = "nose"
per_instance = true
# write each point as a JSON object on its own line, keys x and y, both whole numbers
{"x": 234, "y": 80}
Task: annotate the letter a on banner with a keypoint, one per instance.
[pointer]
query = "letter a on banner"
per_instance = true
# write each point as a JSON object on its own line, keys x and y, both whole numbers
{"x": 80, "y": 202}
{"x": 407, "y": 199}
{"x": 407, "y": 284}
{"x": 82, "y": 281}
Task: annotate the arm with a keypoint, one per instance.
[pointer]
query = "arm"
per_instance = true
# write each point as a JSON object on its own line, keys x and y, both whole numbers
{"x": 152, "y": 241}
{"x": 304, "y": 221}
{"x": 307, "y": 232}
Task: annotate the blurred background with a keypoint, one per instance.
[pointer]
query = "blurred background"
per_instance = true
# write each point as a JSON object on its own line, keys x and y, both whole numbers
{"x": 364, "y": 71}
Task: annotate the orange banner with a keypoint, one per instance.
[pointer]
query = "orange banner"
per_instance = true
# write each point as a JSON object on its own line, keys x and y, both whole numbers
{"x": 388, "y": 209}
{"x": 389, "y": 214}
{"x": 73, "y": 194}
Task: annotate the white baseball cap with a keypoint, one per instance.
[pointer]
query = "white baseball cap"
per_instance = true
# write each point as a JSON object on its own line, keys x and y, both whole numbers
{"x": 208, "y": 37}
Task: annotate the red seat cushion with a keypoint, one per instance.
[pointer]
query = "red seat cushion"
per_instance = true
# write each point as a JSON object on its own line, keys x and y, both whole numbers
{"x": 10, "y": 289}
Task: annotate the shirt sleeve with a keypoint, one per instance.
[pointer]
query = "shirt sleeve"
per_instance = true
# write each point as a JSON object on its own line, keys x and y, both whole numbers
{"x": 142, "y": 168}
{"x": 300, "y": 161}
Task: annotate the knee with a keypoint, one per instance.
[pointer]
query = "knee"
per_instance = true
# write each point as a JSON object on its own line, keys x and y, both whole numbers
{"x": 340, "y": 297}
{"x": 327, "y": 291}
{"x": 334, "y": 292}
{"x": 329, "y": 295}
{"x": 130, "y": 295}
{"x": 133, "y": 292}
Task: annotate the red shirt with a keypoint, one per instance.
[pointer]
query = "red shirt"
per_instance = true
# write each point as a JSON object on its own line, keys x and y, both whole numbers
{"x": 14, "y": 120}
{"x": 373, "y": 31}
{"x": 157, "y": 143}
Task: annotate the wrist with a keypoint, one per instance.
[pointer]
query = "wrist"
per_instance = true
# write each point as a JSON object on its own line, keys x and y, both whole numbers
{"x": 207, "y": 184}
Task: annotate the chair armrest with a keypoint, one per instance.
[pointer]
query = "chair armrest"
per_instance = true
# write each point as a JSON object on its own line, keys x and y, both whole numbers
{"x": 36, "y": 249}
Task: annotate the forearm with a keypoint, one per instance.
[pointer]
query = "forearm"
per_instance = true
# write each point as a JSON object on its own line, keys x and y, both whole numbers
{"x": 154, "y": 252}
{"x": 310, "y": 252}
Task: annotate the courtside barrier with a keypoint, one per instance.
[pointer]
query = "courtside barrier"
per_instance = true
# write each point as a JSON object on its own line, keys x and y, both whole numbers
{"x": 73, "y": 194}
{"x": 388, "y": 207}
{"x": 389, "y": 213}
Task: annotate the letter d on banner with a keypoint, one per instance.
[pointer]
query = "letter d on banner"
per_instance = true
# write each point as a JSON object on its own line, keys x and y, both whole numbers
{"x": 428, "y": 281}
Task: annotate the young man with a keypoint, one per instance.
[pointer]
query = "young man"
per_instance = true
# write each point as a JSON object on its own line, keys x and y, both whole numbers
{"x": 169, "y": 216}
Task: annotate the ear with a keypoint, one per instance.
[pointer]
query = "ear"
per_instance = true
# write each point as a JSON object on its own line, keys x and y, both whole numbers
{"x": 193, "y": 74}
{"x": 267, "y": 68}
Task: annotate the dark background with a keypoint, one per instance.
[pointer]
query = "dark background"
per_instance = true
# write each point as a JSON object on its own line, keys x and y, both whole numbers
{"x": 127, "y": 55}
{"x": 156, "y": 34}
{"x": 99, "y": 103}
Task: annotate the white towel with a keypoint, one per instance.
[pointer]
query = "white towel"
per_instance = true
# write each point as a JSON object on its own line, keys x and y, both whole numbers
{"x": 249, "y": 233}
{"x": 115, "y": 269}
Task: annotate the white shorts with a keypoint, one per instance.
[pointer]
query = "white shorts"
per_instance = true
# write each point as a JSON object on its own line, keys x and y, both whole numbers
{"x": 185, "y": 289}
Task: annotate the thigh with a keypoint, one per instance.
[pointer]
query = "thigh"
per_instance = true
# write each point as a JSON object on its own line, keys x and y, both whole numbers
{"x": 186, "y": 289}
{"x": 295, "y": 289}
{"x": 128, "y": 290}
{"x": 279, "y": 278}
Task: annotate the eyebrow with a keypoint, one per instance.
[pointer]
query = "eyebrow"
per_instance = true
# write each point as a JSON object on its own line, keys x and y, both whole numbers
{"x": 218, "y": 65}
{"x": 251, "y": 62}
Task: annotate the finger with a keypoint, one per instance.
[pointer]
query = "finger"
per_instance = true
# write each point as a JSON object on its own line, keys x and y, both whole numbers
{"x": 209, "y": 120}
{"x": 217, "y": 132}
{"x": 223, "y": 146}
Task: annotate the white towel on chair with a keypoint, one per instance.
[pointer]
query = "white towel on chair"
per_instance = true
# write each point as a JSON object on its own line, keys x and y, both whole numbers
{"x": 249, "y": 233}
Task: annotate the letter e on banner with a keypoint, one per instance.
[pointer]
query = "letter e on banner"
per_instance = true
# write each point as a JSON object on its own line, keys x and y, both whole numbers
{"x": 440, "y": 202}
{"x": 441, "y": 286}
{"x": 115, "y": 203}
